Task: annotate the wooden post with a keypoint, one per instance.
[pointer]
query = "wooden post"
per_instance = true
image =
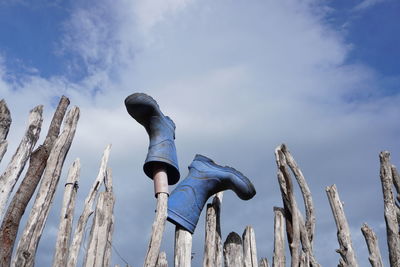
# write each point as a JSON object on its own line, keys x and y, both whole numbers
{"x": 99, "y": 233}
{"x": 213, "y": 251}
{"x": 10, "y": 177}
{"x": 304, "y": 232}
{"x": 21, "y": 198}
{"x": 87, "y": 210}
{"x": 26, "y": 250}
{"x": 392, "y": 225}
{"x": 346, "y": 250}
{"x": 305, "y": 190}
{"x": 233, "y": 250}
{"x": 162, "y": 260}
{"x": 5, "y": 122}
{"x": 396, "y": 181}
{"x": 67, "y": 215}
{"x": 183, "y": 248}
{"x": 161, "y": 192}
{"x": 279, "y": 258}
{"x": 290, "y": 205}
{"x": 373, "y": 248}
{"x": 249, "y": 248}
{"x": 264, "y": 262}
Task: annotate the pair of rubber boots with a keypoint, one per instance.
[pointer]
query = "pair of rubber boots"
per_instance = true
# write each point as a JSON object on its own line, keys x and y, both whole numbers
{"x": 205, "y": 177}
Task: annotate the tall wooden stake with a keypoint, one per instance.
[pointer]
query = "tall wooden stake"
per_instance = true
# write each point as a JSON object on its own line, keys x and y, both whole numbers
{"x": 392, "y": 225}
{"x": 233, "y": 250}
{"x": 26, "y": 249}
{"x": 10, "y": 177}
{"x": 373, "y": 248}
{"x": 161, "y": 191}
{"x": 183, "y": 247}
{"x": 5, "y": 122}
{"x": 213, "y": 251}
{"x": 21, "y": 198}
{"x": 279, "y": 258}
{"x": 346, "y": 250}
{"x": 87, "y": 210}
{"x": 67, "y": 215}
{"x": 249, "y": 247}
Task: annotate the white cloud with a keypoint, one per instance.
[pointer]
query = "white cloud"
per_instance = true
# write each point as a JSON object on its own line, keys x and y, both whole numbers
{"x": 368, "y": 4}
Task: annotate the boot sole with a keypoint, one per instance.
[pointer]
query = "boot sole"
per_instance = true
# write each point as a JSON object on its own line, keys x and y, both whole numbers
{"x": 141, "y": 107}
{"x": 232, "y": 170}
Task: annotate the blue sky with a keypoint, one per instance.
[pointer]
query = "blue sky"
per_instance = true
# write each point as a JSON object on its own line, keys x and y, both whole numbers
{"x": 238, "y": 78}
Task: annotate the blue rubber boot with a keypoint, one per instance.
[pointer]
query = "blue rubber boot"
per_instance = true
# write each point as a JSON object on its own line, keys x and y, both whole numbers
{"x": 161, "y": 130}
{"x": 205, "y": 178}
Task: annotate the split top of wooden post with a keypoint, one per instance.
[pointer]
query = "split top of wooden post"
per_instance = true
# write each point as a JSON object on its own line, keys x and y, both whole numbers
{"x": 160, "y": 179}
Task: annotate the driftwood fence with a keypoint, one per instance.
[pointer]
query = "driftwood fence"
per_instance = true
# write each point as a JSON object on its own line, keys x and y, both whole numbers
{"x": 46, "y": 163}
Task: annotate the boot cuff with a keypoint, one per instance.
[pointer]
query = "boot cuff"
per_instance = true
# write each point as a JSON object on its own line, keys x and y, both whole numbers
{"x": 172, "y": 169}
{"x": 177, "y": 219}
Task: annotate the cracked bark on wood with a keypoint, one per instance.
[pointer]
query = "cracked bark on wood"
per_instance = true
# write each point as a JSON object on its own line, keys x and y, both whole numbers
{"x": 373, "y": 248}
{"x": 21, "y": 198}
{"x": 3, "y": 148}
{"x": 346, "y": 250}
{"x": 183, "y": 247}
{"x": 27, "y": 245}
{"x": 305, "y": 190}
{"x": 157, "y": 230}
{"x": 5, "y": 120}
{"x": 249, "y": 248}
{"x": 233, "y": 250}
{"x": 100, "y": 231}
{"x": 67, "y": 214}
{"x": 279, "y": 258}
{"x": 396, "y": 181}
{"x": 87, "y": 210}
{"x": 392, "y": 225}
{"x": 213, "y": 252}
{"x": 14, "y": 168}
{"x": 291, "y": 206}
{"x": 284, "y": 178}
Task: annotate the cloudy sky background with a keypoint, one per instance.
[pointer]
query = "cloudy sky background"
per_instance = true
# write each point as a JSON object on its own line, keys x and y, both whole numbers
{"x": 238, "y": 78}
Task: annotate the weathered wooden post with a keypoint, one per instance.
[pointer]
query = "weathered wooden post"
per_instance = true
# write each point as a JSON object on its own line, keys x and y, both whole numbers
{"x": 13, "y": 170}
{"x": 290, "y": 205}
{"x": 346, "y": 250}
{"x": 67, "y": 215}
{"x": 373, "y": 248}
{"x": 392, "y": 225}
{"x": 87, "y": 210}
{"x": 26, "y": 249}
{"x": 297, "y": 229}
{"x": 5, "y": 122}
{"x": 96, "y": 255}
{"x": 161, "y": 191}
{"x": 183, "y": 247}
{"x": 279, "y": 258}
{"x": 233, "y": 250}
{"x": 249, "y": 248}
{"x": 213, "y": 252}
{"x": 21, "y": 198}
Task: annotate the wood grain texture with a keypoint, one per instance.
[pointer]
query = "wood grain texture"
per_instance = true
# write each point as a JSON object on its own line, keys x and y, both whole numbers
{"x": 26, "y": 249}
{"x": 87, "y": 210}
